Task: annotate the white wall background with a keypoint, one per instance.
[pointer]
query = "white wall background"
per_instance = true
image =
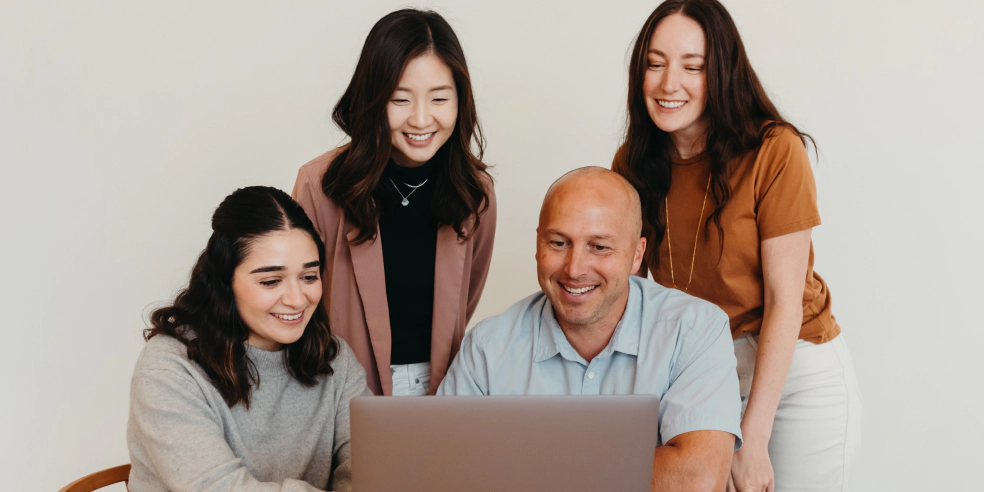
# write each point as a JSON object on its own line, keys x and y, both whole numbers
{"x": 123, "y": 124}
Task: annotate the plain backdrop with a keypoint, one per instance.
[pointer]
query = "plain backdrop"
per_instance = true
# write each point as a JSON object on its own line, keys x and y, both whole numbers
{"x": 123, "y": 124}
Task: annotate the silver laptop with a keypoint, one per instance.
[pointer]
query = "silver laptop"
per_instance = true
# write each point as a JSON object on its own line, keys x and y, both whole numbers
{"x": 497, "y": 443}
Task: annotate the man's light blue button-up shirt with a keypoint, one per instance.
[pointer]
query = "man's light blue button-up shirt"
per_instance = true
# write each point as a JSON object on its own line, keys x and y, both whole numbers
{"x": 667, "y": 344}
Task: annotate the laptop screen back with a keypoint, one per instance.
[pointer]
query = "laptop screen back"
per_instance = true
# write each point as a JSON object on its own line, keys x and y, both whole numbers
{"x": 495, "y": 443}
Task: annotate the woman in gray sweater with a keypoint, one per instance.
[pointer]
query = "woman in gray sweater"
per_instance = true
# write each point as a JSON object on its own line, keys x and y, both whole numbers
{"x": 242, "y": 386}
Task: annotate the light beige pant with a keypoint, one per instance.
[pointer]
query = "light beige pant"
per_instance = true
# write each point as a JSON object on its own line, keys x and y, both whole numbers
{"x": 411, "y": 379}
{"x": 817, "y": 431}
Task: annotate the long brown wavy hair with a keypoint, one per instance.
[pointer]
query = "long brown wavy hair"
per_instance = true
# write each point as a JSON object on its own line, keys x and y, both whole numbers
{"x": 204, "y": 316}
{"x": 739, "y": 112}
{"x": 352, "y": 180}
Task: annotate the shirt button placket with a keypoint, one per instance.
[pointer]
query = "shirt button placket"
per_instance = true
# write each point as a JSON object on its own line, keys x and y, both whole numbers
{"x": 589, "y": 384}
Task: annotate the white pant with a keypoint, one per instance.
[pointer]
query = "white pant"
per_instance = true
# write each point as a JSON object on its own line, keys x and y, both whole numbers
{"x": 817, "y": 430}
{"x": 411, "y": 379}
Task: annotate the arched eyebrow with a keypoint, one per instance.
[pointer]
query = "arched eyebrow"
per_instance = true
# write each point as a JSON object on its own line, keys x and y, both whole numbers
{"x": 280, "y": 268}
{"x": 685, "y": 57}
{"x": 433, "y": 89}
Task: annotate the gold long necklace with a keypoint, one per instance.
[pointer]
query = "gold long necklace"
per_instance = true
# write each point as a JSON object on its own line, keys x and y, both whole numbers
{"x": 669, "y": 243}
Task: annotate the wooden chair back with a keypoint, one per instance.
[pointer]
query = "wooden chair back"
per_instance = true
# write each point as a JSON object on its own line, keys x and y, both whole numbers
{"x": 100, "y": 479}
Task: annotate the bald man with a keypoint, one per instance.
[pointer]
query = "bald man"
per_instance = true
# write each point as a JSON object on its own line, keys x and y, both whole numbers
{"x": 596, "y": 329}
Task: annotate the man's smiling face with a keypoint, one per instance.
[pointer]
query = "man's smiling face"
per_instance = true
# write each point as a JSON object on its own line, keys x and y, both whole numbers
{"x": 588, "y": 244}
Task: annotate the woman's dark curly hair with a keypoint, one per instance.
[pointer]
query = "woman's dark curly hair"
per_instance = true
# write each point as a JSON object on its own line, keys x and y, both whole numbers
{"x": 204, "y": 316}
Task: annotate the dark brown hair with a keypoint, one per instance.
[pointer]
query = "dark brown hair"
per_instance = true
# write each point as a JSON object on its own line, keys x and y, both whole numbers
{"x": 352, "y": 179}
{"x": 739, "y": 112}
{"x": 204, "y": 316}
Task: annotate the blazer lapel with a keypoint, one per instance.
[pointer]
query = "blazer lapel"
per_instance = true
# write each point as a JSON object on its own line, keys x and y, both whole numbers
{"x": 449, "y": 267}
{"x": 367, "y": 264}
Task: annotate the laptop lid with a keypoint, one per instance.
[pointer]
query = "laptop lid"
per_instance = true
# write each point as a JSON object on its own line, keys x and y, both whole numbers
{"x": 496, "y": 443}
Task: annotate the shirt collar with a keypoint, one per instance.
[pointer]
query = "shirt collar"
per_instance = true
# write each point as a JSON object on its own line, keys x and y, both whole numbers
{"x": 552, "y": 341}
{"x": 545, "y": 341}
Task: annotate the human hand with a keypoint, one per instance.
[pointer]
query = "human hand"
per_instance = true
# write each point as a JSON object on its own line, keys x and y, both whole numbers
{"x": 751, "y": 469}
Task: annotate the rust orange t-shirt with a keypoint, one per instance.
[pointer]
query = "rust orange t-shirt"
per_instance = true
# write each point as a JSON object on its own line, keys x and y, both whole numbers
{"x": 773, "y": 193}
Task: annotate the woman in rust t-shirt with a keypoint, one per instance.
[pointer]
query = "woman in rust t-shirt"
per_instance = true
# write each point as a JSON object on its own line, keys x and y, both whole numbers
{"x": 730, "y": 201}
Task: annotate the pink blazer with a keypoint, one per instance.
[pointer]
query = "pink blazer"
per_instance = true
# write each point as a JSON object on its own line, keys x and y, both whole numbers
{"x": 355, "y": 284}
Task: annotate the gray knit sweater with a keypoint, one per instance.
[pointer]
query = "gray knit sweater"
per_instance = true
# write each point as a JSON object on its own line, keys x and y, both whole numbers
{"x": 184, "y": 437}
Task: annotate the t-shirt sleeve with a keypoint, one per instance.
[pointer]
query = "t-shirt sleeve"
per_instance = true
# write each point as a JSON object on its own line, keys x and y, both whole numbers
{"x": 468, "y": 374}
{"x": 786, "y": 193}
{"x": 181, "y": 440}
{"x": 703, "y": 392}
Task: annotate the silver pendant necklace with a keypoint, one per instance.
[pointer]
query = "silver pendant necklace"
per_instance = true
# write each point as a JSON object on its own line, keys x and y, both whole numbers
{"x": 406, "y": 199}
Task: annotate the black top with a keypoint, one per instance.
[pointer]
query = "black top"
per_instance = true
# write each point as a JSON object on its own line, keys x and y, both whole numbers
{"x": 409, "y": 236}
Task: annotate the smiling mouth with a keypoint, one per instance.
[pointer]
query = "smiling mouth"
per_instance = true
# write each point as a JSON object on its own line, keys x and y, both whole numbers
{"x": 288, "y": 317}
{"x": 578, "y": 291}
{"x": 670, "y": 104}
{"x": 419, "y": 137}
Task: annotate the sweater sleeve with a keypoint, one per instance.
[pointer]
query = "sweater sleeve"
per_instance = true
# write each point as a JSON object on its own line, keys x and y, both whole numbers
{"x": 175, "y": 436}
{"x": 354, "y": 385}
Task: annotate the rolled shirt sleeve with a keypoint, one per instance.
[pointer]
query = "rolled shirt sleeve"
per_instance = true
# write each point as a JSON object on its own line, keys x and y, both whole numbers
{"x": 703, "y": 392}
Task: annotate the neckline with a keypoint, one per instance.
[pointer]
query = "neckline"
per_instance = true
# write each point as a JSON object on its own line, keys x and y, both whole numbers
{"x": 267, "y": 362}
{"x": 419, "y": 173}
{"x": 694, "y": 159}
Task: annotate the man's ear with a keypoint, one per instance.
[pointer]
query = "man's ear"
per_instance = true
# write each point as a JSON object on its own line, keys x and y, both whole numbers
{"x": 639, "y": 253}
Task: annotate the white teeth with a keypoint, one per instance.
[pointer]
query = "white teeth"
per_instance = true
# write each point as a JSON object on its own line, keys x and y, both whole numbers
{"x": 671, "y": 104}
{"x": 419, "y": 138}
{"x": 582, "y": 290}
{"x": 287, "y": 317}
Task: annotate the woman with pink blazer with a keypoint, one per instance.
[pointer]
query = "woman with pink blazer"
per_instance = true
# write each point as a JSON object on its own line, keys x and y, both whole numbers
{"x": 406, "y": 209}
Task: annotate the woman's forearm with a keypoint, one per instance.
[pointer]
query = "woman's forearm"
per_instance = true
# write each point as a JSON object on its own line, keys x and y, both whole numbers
{"x": 784, "y": 265}
{"x": 777, "y": 340}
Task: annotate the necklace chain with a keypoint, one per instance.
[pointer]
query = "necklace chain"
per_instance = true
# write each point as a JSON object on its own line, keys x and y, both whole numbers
{"x": 406, "y": 198}
{"x": 669, "y": 243}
